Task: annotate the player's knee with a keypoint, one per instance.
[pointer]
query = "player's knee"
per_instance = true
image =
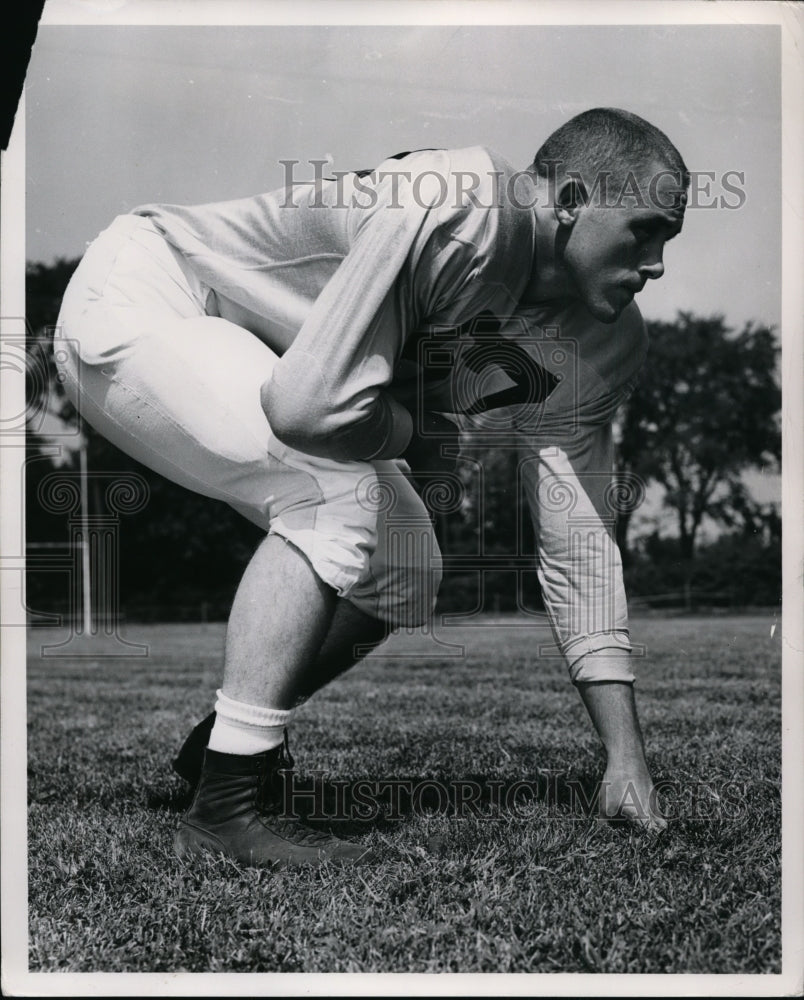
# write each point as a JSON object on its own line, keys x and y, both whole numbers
{"x": 411, "y": 587}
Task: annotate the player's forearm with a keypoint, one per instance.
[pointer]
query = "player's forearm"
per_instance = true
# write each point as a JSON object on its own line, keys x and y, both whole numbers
{"x": 584, "y": 596}
{"x": 383, "y": 433}
{"x": 612, "y": 709}
{"x": 580, "y": 570}
{"x": 373, "y": 428}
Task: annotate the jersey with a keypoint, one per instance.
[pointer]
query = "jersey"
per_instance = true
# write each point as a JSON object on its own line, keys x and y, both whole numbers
{"x": 337, "y": 276}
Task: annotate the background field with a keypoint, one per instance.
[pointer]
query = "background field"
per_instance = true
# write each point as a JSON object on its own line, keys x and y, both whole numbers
{"x": 535, "y": 887}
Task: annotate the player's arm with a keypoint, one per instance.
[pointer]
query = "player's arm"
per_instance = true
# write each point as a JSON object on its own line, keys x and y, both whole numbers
{"x": 419, "y": 257}
{"x": 328, "y": 394}
{"x": 568, "y": 477}
{"x": 568, "y": 471}
{"x": 581, "y": 577}
{"x": 580, "y": 570}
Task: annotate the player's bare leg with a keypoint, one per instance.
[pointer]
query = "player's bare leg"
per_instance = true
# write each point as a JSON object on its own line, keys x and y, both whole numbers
{"x": 627, "y": 789}
{"x": 280, "y": 617}
{"x": 352, "y": 635}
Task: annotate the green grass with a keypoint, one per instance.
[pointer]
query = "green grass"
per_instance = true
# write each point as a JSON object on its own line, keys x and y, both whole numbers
{"x": 538, "y": 887}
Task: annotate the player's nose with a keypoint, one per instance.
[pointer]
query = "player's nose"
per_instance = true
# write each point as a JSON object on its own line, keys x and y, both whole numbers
{"x": 653, "y": 269}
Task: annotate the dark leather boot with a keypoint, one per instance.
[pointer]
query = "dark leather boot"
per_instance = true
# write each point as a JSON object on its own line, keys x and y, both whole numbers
{"x": 190, "y": 758}
{"x": 239, "y": 810}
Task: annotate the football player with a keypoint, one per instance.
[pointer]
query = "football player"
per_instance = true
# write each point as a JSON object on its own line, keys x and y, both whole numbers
{"x": 259, "y": 351}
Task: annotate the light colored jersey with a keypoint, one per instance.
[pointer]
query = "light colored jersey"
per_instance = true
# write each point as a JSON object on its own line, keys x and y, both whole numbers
{"x": 337, "y": 276}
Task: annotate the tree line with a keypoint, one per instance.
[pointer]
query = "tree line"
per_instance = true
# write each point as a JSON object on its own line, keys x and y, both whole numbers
{"x": 705, "y": 411}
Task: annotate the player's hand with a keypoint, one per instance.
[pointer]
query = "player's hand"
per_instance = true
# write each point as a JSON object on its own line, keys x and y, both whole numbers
{"x": 433, "y": 435}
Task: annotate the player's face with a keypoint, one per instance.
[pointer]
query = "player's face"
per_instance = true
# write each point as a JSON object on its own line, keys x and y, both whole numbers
{"x": 613, "y": 250}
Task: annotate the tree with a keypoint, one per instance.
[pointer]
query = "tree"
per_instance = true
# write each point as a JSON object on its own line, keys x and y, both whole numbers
{"x": 705, "y": 410}
{"x": 491, "y": 525}
{"x": 44, "y": 288}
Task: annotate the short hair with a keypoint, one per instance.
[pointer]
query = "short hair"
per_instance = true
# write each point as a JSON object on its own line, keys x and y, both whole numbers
{"x": 607, "y": 139}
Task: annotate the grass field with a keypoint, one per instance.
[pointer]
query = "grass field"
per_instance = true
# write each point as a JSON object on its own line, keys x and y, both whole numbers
{"x": 518, "y": 880}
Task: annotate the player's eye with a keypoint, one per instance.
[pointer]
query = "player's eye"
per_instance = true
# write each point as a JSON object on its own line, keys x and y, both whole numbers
{"x": 650, "y": 229}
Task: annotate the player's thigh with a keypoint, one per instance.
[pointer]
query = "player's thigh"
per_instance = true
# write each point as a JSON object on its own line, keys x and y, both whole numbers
{"x": 185, "y": 402}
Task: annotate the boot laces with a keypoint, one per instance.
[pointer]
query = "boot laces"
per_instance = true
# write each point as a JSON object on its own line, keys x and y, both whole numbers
{"x": 271, "y": 800}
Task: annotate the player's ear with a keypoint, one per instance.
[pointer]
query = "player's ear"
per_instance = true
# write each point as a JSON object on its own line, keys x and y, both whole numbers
{"x": 570, "y": 197}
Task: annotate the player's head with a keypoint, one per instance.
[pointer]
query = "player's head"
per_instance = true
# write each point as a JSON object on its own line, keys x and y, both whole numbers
{"x": 606, "y": 141}
{"x": 617, "y": 188}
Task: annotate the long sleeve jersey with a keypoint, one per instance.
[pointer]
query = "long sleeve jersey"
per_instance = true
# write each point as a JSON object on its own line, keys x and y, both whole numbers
{"x": 337, "y": 276}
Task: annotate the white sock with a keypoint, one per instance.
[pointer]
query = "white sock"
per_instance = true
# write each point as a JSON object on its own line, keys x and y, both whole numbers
{"x": 246, "y": 729}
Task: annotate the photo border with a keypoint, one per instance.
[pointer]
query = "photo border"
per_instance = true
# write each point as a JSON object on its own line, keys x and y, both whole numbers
{"x": 16, "y": 980}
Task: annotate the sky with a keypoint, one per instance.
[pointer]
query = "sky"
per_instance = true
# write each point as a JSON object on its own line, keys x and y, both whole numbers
{"x": 117, "y": 116}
